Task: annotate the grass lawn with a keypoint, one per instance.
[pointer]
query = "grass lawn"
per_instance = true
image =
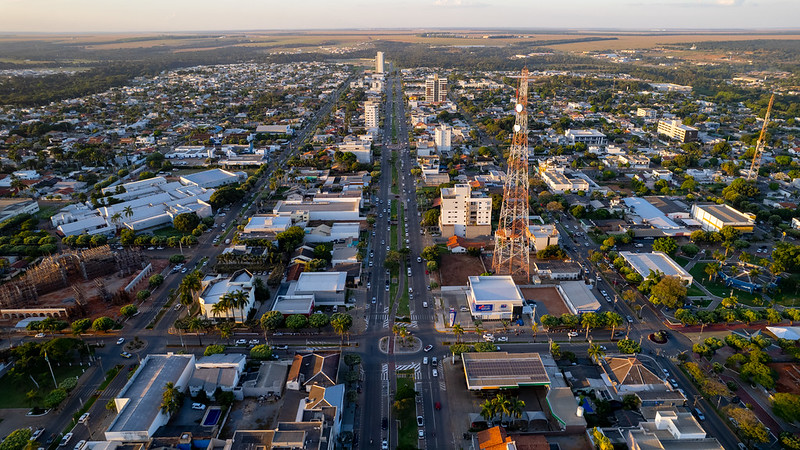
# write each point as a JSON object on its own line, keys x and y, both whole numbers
{"x": 46, "y": 213}
{"x": 694, "y": 291}
{"x": 393, "y": 241}
{"x": 402, "y": 307}
{"x": 168, "y": 232}
{"x": 12, "y": 390}
{"x": 719, "y": 289}
{"x": 407, "y": 432}
{"x": 682, "y": 261}
{"x": 395, "y": 188}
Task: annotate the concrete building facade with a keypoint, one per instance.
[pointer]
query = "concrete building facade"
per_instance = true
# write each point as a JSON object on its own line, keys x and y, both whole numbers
{"x": 465, "y": 214}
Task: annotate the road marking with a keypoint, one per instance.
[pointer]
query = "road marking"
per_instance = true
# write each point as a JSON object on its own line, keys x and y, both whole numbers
{"x": 385, "y": 372}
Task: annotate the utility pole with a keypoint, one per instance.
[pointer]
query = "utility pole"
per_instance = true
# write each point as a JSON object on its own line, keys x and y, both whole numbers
{"x": 55, "y": 383}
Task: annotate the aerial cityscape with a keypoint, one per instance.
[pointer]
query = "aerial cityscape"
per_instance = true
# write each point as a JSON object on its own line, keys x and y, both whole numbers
{"x": 456, "y": 234}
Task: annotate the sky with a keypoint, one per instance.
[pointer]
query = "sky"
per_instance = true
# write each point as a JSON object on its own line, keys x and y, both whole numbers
{"x": 200, "y": 15}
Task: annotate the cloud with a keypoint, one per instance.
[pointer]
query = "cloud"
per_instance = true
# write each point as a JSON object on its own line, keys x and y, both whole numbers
{"x": 458, "y": 3}
{"x": 729, "y": 2}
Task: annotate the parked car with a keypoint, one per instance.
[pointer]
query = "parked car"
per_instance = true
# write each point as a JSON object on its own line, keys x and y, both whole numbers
{"x": 435, "y": 373}
{"x": 421, "y": 433}
{"x": 384, "y": 424}
{"x": 425, "y": 360}
{"x": 40, "y": 335}
{"x": 37, "y": 433}
{"x": 629, "y": 319}
{"x": 572, "y": 334}
{"x": 437, "y": 406}
{"x": 502, "y": 339}
{"x": 385, "y": 444}
{"x": 241, "y": 341}
{"x": 700, "y": 415}
{"x": 420, "y": 421}
{"x": 65, "y": 439}
{"x": 83, "y": 418}
{"x": 198, "y": 406}
{"x": 428, "y": 348}
{"x": 254, "y": 341}
{"x": 80, "y": 444}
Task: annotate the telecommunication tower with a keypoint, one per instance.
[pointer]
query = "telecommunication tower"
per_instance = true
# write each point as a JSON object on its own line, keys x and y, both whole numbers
{"x": 512, "y": 238}
{"x": 753, "y": 175}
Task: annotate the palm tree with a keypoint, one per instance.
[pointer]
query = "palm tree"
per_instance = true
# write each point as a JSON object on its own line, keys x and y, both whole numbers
{"x": 517, "y": 407}
{"x": 589, "y": 320}
{"x": 190, "y": 284}
{"x": 17, "y": 184}
{"x": 503, "y": 405}
{"x": 488, "y": 410}
{"x": 239, "y": 300}
{"x": 712, "y": 270}
{"x": 595, "y": 352}
{"x": 224, "y": 329}
{"x": 614, "y": 320}
{"x": 194, "y": 325}
{"x": 171, "y": 399}
{"x": 128, "y": 211}
{"x": 116, "y": 218}
{"x": 534, "y": 329}
{"x": 458, "y": 330}
{"x": 341, "y": 323}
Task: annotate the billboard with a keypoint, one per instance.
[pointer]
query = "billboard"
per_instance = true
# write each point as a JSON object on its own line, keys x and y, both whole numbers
{"x": 452, "y": 316}
{"x": 483, "y": 308}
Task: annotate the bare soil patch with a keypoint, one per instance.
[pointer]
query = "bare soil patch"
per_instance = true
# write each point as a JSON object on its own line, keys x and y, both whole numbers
{"x": 548, "y": 297}
{"x": 457, "y": 268}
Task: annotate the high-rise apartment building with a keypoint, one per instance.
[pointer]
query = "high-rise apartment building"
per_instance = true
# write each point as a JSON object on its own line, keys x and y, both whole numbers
{"x": 371, "y": 118}
{"x": 442, "y": 137}
{"x": 379, "y": 62}
{"x": 435, "y": 89}
{"x": 676, "y": 130}
{"x": 464, "y": 213}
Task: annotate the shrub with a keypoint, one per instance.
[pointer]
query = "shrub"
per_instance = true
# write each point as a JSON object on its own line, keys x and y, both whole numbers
{"x": 69, "y": 384}
{"x": 214, "y": 349}
{"x": 261, "y": 352}
{"x": 54, "y": 398}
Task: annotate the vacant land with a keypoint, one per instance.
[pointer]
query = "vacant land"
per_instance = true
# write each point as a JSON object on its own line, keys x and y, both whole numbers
{"x": 457, "y": 268}
{"x": 548, "y": 298}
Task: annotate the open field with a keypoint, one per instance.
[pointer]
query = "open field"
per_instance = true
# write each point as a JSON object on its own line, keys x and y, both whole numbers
{"x": 548, "y": 298}
{"x": 456, "y": 268}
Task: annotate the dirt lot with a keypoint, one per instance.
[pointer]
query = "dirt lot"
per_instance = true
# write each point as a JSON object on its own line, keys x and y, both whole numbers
{"x": 456, "y": 268}
{"x": 789, "y": 377}
{"x": 547, "y": 297}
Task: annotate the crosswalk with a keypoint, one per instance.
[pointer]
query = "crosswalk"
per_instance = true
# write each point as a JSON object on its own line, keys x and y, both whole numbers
{"x": 385, "y": 372}
{"x": 416, "y": 367}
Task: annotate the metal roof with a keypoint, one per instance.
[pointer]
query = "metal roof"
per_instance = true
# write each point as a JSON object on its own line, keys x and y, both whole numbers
{"x": 497, "y": 370}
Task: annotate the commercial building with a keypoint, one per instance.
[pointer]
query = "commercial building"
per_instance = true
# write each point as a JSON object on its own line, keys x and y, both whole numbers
{"x": 647, "y": 113}
{"x": 328, "y": 288}
{"x": 670, "y": 428}
{"x": 676, "y": 130}
{"x": 379, "y": 62}
{"x": 213, "y": 178}
{"x": 12, "y": 207}
{"x": 216, "y": 289}
{"x": 501, "y": 370}
{"x": 344, "y": 210}
{"x": 435, "y": 89}
{"x": 371, "y": 115}
{"x": 578, "y": 297}
{"x": 558, "y": 270}
{"x": 339, "y": 231}
{"x": 362, "y": 149}
{"x": 265, "y": 226}
{"x": 289, "y": 305}
{"x": 443, "y": 136}
{"x": 713, "y": 217}
{"x": 653, "y": 216}
{"x": 465, "y": 213}
{"x": 139, "y": 402}
{"x": 588, "y": 137}
{"x": 274, "y": 129}
{"x": 494, "y": 297}
{"x": 543, "y": 236}
{"x": 644, "y": 263}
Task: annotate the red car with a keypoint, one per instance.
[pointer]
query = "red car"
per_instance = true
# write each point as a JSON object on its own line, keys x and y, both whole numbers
{"x": 437, "y": 406}
{"x": 428, "y": 348}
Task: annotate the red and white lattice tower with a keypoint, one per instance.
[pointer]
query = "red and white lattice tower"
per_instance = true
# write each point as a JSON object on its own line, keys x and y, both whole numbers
{"x": 512, "y": 238}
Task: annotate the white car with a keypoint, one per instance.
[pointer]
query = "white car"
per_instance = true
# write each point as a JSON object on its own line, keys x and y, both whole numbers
{"x": 502, "y": 339}
{"x": 254, "y": 341}
{"x": 40, "y": 335}
{"x": 198, "y": 406}
{"x": 65, "y": 439}
{"x": 241, "y": 341}
{"x": 120, "y": 341}
{"x": 572, "y": 334}
{"x": 83, "y": 418}
{"x": 80, "y": 444}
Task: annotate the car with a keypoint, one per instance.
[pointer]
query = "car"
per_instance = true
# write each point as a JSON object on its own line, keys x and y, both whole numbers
{"x": 502, "y": 339}
{"x": 410, "y": 296}
{"x": 387, "y": 287}
{"x": 384, "y": 424}
{"x": 83, "y": 418}
{"x": 198, "y": 406}
{"x": 177, "y": 307}
{"x": 421, "y": 433}
{"x": 383, "y": 241}
{"x": 464, "y": 309}
{"x": 374, "y": 300}
{"x": 65, "y": 439}
{"x": 388, "y": 248}
{"x": 37, "y": 433}
{"x": 184, "y": 270}
{"x": 80, "y": 444}
{"x": 241, "y": 341}
{"x": 673, "y": 383}
{"x": 700, "y": 415}
{"x": 384, "y": 444}
{"x": 410, "y": 290}
{"x": 629, "y": 319}
{"x": 741, "y": 446}
{"x": 40, "y": 335}
{"x": 424, "y": 304}
{"x": 126, "y": 355}
{"x": 434, "y": 360}
{"x": 428, "y": 348}
{"x": 281, "y": 347}
{"x": 254, "y": 341}
{"x": 419, "y": 259}
{"x": 572, "y": 334}
{"x": 666, "y": 372}
{"x": 488, "y": 336}
{"x": 425, "y": 360}
{"x": 370, "y": 263}
{"x": 420, "y": 421}
{"x": 435, "y": 373}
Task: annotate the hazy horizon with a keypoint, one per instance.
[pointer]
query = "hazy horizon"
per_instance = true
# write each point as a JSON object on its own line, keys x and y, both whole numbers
{"x": 95, "y": 16}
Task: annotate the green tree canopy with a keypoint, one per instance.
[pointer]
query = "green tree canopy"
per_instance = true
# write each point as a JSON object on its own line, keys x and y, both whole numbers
{"x": 669, "y": 292}
{"x": 103, "y": 324}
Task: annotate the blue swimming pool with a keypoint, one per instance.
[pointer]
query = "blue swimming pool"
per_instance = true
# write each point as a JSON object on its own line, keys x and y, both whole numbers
{"x": 212, "y": 417}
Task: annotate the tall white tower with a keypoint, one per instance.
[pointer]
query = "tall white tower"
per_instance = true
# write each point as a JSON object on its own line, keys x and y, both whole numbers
{"x": 379, "y": 62}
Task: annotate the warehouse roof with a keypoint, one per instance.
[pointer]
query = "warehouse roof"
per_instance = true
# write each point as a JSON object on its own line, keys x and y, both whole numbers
{"x": 499, "y": 370}
{"x": 494, "y": 288}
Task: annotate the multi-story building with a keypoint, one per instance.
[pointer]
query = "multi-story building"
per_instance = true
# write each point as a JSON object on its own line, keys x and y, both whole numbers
{"x": 647, "y": 113}
{"x": 588, "y": 137}
{"x": 558, "y": 182}
{"x": 435, "y": 89}
{"x": 371, "y": 117}
{"x": 714, "y": 217}
{"x": 362, "y": 149}
{"x": 676, "y": 130}
{"x": 465, "y": 213}
{"x": 543, "y": 236}
{"x": 379, "y": 62}
{"x": 443, "y": 136}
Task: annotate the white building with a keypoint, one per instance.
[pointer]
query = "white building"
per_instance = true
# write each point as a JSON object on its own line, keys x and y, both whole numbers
{"x": 443, "y": 136}
{"x": 12, "y": 207}
{"x": 647, "y": 113}
{"x": 713, "y": 217}
{"x": 558, "y": 182}
{"x": 435, "y": 89}
{"x": 215, "y": 288}
{"x": 139, "y": 402}
{"x": 644, "y": 263}
{"x": 379, "y": 62}
{"x": 213, "y": 178}
{"x": 464, "y": 213}
{"x": 494, "y": 297}
{"x": 362, "y": 149}
{"x": 339, "y": 231}
{"x": 543, "y": 236}
{"x": 344, "y": 209}
{"x": 328, "y": 288}
{"x": 588, "y": 137}
{"x": 677, "y": 130}
{"x": 371, "y": 115}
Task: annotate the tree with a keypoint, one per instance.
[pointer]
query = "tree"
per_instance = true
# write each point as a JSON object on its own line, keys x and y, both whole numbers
{"x": 214, "y": 349}
{"x": 666, "y": 245}
{"x": 103, "y": 324}
{"x": 261, "y": 352}
{"x": 17, "y": 439}
{"x": 631, "y": 402}
{"x": 748, "y": 424}
{"x": 171, "y": 399}
{"x": 589, "y": 320}
{"x": 595, "y": 353}
{"x": 613, "y": 319}
{"x": 54, "y": 398}
{"x": 758, "y": 373}
{"x": 392, "y": 260}
{"x": 629, "y": 346}
{"x": 297, "y": 321}
{"x": 190, "y": 284}
{"x": 485, "y": 347}
{"x": 80, "y": 326}
{"x": 143, "y": 295}
{"x": 601, "y": 441}
{"x": 669, "y": 292}
{"x": 271, "y": 321}
{"x": 432, "y": 266}
{"x": 318, "y": 320}
{"x": 772, "y": 316}
{"x": 196, "y": 325}
{"x": 629, "y": 295}
{"x": 128, "y": 310}
{"x": 128, "y": 211}
{"x": 458, "y": 349}
{"x": 712, "y": 269}
{"x": 430, "y": 253}
{"x": 430, "y": 218}
{"x": 555, "y": 350}
{"x": 155, "y": 281}
{"x": 786, "y": 406}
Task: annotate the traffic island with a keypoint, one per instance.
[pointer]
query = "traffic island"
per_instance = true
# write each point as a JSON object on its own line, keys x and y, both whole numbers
{"x": 410, "y": 344}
